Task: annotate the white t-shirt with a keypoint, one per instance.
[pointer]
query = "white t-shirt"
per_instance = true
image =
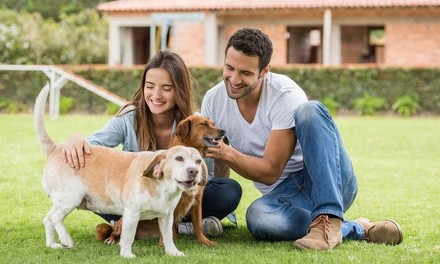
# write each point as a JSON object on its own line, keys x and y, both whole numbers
{"x": 280, "y": 96}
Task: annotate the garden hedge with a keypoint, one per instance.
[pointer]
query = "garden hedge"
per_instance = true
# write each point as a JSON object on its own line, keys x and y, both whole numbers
{"x": 344, "y": 85}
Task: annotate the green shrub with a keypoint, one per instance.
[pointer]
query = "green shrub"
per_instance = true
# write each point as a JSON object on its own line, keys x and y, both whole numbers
{"x": 344, "y": 85}
{"x": 111, "y": 108}
{"x": 66, "y": 104}
{"x": 368, "y": 104}
{"x": 3, "y": 103}
{"x": 331, "y": 104}
{"x": 406, "y": 105}
{"x": 12, "y": 108}
{"x": 15, "y": 108}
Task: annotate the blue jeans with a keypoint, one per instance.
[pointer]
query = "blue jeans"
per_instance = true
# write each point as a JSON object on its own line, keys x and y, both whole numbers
{"x": 220, "y": 197}
{"x": 326, "y": 185}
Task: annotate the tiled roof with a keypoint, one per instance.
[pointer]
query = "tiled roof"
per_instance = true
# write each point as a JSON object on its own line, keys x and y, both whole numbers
{"x": 200, "y": 5}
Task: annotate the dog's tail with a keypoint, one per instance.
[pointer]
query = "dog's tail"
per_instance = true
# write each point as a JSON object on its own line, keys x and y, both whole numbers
{"x": 103, "y": 231}
{"x": 46, "y": 142}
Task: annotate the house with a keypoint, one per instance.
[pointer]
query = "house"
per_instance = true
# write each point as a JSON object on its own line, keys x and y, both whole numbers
{"x": 331, "y": 32}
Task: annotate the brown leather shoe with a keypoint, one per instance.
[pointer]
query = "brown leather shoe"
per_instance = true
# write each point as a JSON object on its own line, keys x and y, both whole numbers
{"x": 384, "y": 232}
{"x": 324, "y": 233}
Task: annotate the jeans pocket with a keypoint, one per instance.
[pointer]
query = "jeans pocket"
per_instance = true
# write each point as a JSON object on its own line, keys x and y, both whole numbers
{"x": 297, "y": 181}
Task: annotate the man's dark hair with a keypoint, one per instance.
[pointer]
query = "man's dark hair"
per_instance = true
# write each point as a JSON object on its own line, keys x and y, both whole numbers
{"x": 252, "y": 42}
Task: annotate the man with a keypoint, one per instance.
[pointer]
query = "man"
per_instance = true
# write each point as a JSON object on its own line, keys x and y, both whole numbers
{"x": 290, "y": 148}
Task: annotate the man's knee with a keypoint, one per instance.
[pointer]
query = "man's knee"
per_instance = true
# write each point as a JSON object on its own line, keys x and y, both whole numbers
{"x": 310, "y": 114}
{"x": 221, "y": 196}
{"x": 256, "y": 220}
{"x": 268, "y": 223}
{"x": 233, "y": 192}
{"x": 309, "y": 110}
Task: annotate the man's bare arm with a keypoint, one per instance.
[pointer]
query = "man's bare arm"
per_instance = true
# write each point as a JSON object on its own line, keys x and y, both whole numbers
{"x": 266, "y": 170}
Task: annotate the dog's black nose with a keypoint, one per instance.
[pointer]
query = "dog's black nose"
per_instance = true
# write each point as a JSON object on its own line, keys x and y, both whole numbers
{"x": 192, "y": 172}
{"x": 221, "y": 132}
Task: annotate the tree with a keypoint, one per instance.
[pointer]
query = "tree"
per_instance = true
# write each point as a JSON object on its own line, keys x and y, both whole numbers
{"x": 29, "y": 39}
{"x": 51, "y": 9}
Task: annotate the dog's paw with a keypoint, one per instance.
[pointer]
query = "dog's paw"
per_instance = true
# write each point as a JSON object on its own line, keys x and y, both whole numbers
{"x": 55, "y": 246}
{"x": 68, "y": 246}
{"x": 66, "y": 241}
{"x": 207, "y": 242}
{"x": 110, "y": 241}
{"x": 128, "y": 255}
{"x": 175, "y": 253}
{"x": 59, "y": 246}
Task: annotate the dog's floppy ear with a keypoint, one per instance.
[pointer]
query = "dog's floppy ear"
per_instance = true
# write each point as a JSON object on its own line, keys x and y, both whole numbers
{"x": 154, "y": 168}
{"x": 204, "y": 174}
{"x": 183, "y": 128}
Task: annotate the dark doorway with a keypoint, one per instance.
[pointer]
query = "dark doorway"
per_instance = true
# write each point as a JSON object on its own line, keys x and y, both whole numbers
{"x": 362, "y": 44}
{"x": 141, "y": 42}
{"x": 304, "y": 45}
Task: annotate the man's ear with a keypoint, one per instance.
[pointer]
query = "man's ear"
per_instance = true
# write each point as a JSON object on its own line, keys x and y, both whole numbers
{"x": 154, "y": 168}
{"x": 265, "y": 71}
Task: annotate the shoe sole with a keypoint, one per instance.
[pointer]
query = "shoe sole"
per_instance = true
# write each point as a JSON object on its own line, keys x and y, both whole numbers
{"x": 301, "y": 247}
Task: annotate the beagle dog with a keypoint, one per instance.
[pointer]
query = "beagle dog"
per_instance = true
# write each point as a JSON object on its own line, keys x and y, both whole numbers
{"x": 139, "y": 186}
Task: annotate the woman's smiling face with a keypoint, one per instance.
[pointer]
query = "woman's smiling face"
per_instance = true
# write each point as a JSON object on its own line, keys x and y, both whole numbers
{"x": 159, "y": 91}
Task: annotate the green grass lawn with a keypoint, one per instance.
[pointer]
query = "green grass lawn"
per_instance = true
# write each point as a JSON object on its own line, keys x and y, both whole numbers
{"x": 397, "y": 161}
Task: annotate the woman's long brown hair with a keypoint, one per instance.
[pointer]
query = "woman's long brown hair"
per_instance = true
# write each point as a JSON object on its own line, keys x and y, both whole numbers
{"x": 181, "y": 79}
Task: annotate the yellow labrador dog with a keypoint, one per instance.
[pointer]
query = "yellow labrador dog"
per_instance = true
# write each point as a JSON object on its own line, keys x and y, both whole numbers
{"x": 139, "y": 186}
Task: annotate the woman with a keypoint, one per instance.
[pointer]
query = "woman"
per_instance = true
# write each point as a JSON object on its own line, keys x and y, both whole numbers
{"x": 164, "y": 98}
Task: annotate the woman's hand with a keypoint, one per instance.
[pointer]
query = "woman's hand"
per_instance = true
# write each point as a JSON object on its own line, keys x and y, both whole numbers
{"x": 73, "y": 151}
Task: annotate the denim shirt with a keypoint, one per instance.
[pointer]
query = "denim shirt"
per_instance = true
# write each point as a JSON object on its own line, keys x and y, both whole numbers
{"x": 119, "y": 130}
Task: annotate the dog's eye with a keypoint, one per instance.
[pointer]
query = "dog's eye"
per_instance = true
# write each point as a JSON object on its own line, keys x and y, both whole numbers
{"x": 199, "y": 161}
{"x": 179, "y": 158}
{"x": 203, "y": 124}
